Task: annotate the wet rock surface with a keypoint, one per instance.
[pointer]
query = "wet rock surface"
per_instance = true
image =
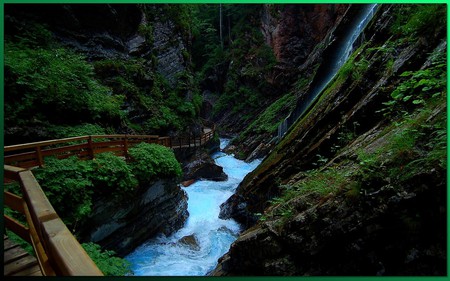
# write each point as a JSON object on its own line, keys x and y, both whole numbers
{"x": 161, "y": 207}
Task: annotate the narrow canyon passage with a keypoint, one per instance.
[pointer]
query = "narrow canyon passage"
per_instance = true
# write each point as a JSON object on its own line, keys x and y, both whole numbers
{"x": 194, "y": 249}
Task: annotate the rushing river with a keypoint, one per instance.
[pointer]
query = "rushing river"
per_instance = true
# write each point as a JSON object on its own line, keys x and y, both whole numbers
{"x": 167, "y": 256}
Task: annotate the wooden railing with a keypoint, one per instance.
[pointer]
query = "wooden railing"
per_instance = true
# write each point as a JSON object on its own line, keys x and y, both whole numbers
{"x": 85, "y": 147}
{"x": 57, "y": 250}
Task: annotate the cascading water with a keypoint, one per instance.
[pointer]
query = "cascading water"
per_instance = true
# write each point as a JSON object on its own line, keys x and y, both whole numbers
{"x": 342, "y": 52}
{"x": 209, "y": 237}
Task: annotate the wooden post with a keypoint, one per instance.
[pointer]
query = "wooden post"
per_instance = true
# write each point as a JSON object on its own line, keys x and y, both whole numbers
{"x": 125, "y": 146}
{"x": 39, "y": 156}
{"x": 189, "y": 140}
{"x": 90, "y": 148}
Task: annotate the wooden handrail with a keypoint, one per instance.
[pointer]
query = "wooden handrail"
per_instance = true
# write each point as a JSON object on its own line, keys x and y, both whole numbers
{"x": 32, "y": 154}
{"x": 57, "y": 250}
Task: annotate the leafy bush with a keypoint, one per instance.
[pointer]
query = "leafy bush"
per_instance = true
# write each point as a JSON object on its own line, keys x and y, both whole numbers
{"x": 112, "y": 175}
{"x": 149, "y": 161}
{"x": 67, "y": 186}
{"x": 50, "y": 83}
{"x": 419, "y": 87}
{"x": 78, "y": 182}
{"x": 106, "y": 260}
{"x": 86, "y": 129}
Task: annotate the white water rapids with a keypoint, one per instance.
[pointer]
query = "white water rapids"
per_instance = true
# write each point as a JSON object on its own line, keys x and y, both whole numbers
{"x": 166, "y": 256}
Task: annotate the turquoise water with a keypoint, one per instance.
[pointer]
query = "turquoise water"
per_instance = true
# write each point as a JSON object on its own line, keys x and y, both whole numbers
{"x": 166, "y": 256}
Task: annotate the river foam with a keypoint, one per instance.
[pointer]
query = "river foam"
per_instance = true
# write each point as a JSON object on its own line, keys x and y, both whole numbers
{"x": 209, "y": 237}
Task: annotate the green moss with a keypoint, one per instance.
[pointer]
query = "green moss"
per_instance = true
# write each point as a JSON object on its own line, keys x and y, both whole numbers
{"x": 268, "y": 121}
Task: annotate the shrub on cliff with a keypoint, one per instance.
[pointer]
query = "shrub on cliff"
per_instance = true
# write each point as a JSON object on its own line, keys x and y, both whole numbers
{"x": 150, "y": 161}
{"x": 50, "y": 83}
{"x": 79, "y": 182}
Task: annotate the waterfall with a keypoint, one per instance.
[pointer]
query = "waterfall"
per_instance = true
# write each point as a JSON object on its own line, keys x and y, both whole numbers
{"x": 282, "y": 128}
{"x": 342, "y": 52}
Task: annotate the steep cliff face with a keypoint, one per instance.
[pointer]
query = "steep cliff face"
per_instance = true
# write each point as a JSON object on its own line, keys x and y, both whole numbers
{"x": 357, "y": 186}
{"x": 80, "y": 26}
{"x": 297, "y": 35}
{"x": 293, "y": 31}
{"x": 160, "y": 207}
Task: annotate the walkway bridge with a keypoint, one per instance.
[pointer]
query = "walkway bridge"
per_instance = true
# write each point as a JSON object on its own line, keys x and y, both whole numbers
{"x": 57, "y": 251}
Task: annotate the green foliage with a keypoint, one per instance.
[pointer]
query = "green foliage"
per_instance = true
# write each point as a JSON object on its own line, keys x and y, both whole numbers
{"x": 79, "y": 182}
{"x": 86, "y": 129}
{"x": 268, "y": 121}
{"x": 65, "y": 181}
{"x": 354, "y": 67}
{"x": 112, "y": 175}
{"x": 146, "y": 30}
{"x": 323, "y": 182}
{"x": 419, "y": 87}
{"x": 50, "y": 83}
{"x": 158, "y": 107}
{"x": 107, "y": 261}
{"x": 414, "y": 20}
{"x": 150, "y": 161}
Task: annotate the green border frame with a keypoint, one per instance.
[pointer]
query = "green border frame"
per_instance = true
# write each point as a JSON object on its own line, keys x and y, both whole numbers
{"x": 315, "y": 278}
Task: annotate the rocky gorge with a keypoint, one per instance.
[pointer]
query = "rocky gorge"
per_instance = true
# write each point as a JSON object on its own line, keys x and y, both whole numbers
{"x": 355, "y": 184}
{"x": 378, "y": 213}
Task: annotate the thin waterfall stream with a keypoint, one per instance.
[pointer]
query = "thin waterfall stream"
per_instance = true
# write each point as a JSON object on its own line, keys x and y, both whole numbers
{"x": 194, "y": 249}
{"x": 342, "y": 52}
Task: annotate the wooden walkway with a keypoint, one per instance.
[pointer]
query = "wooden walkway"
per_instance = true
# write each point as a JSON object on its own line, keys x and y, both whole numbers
{"x": 17, "y": 262}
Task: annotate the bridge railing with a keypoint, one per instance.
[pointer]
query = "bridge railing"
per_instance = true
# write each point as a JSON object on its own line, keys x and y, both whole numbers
{"x": 57, "y": 250}
{"x": 85, "y": 147}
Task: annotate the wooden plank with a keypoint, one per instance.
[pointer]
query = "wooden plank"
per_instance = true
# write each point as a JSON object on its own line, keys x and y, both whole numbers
{"x": 13, "y": 254}
{"x": 116, "y": 136}
{"x": 13, "y": 201}
{"x": 26, "y": 156}
{"x": 9, "y": 244}
{"x": 18, "y": 228}
{"x": 42, "y": 257}
{"x": 108, "y": 149}
{"x": 64, "y": 149}
{"x": 38, "y": 204}
{"x": 102, "y": 144}
{"x": 29, "y": 164}
{"x": 30, "y": 271}
{"x": 123, "y": 136}
{"x": 12, "y": 172}
{"x": 90, "y": 148}
{"x": 19, "y": 265}
{"x": 41, "y": 254}
{"x": 65, "y": 250}
{"x": 39, "y": 157}
{"x": 42, "y": 143}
